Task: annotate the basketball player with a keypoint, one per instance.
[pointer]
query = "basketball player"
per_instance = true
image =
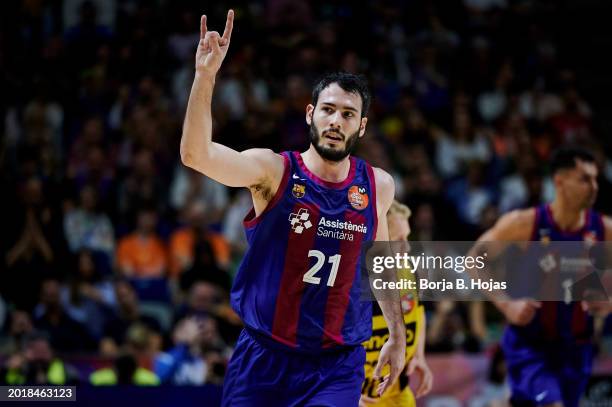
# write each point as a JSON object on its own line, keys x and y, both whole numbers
{"x": 400, "y": 393}
{"x": 297, "y": 289}
{"x": 547, "y": 344}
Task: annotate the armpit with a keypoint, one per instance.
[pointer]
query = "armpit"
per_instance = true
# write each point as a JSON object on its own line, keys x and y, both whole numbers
{"x": 262, "y": 190}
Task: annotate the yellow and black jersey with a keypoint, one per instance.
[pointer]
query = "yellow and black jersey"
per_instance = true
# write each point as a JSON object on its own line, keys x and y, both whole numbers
{"x": 413, "y": 320}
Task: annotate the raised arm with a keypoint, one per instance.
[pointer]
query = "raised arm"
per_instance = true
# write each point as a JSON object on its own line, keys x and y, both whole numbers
{"x": 259, "y": 169}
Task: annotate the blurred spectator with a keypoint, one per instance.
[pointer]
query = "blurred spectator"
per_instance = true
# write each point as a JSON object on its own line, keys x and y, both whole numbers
{"x": 523, "y": 188}
{"x": 573, "y": 124}
{"x": 18, "y": 326}
{"x": 143, "y": 343}
{"x": 190, "y": 243}
{"x": 127, "y": 313}
{"x": 50, "y": 315}
{"x": 493, "y": 103}
{"x": 37, "y": 365}
{"x": 125, "y": 371}
{"x": 205, "y": 268}
{"x": 206, "y": 300}
{"x": 190, "y": 187}
{"x": 35, "y": 246}
{"x": 86, "y": 227}
{"x": 465, "y": 145}
{"x": 470, "y": 194}
{"x": 141, "y": 186}
{"x": 142, "y": 253}
{"x": 88, "y": 297}
{"x": 184, "y": 364}
{"x": 87, "y": 35}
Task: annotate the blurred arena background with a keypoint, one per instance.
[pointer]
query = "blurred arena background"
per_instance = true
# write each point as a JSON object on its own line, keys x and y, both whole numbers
{"x": 115, "y": 255}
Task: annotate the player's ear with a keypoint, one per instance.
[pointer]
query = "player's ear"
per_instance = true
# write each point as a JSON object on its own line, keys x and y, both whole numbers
{"x": 557, "y": 180}
{"x": 362, "y": 126}
{"x": 309, "y": 112}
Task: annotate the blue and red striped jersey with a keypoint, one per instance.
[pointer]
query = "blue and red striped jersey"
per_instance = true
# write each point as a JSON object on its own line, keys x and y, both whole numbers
{"x": 560, "y": 321}
{"x": 299, "y": 281}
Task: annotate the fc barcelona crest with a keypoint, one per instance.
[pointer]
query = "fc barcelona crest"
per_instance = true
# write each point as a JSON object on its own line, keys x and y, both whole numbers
{"x": 298, "y": 190}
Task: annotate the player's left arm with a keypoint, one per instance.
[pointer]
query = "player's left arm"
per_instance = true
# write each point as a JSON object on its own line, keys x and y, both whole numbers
{"x": 418, "y": 363}
{"x": 602, "y": 308}
{"x": 393, "y": 352}
{"x": 607, "y": 221}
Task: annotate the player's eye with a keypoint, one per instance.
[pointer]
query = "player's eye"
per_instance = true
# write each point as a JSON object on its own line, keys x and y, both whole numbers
{"x": 348, "y": 114}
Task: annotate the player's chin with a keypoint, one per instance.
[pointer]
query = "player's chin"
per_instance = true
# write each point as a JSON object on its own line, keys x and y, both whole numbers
{"x": 333, "y": 145}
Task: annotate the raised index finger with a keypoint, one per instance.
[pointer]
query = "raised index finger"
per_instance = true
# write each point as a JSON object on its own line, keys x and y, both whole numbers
{"x": 229, "y": 25}
{"x": 203, "y": 28}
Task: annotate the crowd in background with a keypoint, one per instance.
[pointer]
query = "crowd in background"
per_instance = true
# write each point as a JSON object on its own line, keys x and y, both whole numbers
{"x": 111, "y": 247}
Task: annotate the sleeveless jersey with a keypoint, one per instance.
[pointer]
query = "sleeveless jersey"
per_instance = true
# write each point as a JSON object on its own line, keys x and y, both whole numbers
{"x": 298, "y": 286}
{"x": 412, "y": 310}
{"x": 559, "y": 321}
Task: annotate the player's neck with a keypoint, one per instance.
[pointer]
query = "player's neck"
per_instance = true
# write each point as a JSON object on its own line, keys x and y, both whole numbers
{"x": 566, "y": 216}
{"x": 331, "y": 171}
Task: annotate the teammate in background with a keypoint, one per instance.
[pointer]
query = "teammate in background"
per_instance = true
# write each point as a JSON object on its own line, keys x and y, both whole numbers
{"x": 298, "y": 289}
{"x": 400, "y": 393}
{"x": 547, "y": 344}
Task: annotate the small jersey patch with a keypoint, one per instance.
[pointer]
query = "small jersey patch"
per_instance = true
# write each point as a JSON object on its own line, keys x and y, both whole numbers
{"x": 358, "y": 197}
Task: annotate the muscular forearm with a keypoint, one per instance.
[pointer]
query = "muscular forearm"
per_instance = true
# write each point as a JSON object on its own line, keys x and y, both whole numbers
{"x": 420, "y": 351}
{"x": 392, "y": 312}
{"x": 197, "y": 128}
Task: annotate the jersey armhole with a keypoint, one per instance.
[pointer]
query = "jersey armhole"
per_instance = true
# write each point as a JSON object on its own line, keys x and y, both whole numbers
{"x": 250, "y": 220}
{"x": 372, "y": 179}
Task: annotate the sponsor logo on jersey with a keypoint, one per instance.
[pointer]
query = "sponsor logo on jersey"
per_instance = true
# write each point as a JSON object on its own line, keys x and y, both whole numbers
{"x": 298, "y": 190}
{"x": 358, "y": 197}
{"x": 300, "y": 221}
{"x": 330, "y": 228}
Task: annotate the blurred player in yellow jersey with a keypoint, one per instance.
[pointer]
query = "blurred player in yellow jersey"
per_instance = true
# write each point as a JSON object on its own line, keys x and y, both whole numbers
{"x": 400, "y": 393}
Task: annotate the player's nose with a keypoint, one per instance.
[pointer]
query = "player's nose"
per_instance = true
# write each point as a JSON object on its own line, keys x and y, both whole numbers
{"x": 335, "y": 120}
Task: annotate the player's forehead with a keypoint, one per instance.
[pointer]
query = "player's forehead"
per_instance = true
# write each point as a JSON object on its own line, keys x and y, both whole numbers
{"x": 585, "y": 168}
{"x": 340, "y": 98}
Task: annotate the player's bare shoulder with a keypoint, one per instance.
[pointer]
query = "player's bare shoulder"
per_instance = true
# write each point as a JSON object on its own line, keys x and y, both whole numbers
{"x": 273, "y": 164}
{"x": 516, "y": 225}
{"x": 607, "y": 222}
{"x": 385, "y": 190}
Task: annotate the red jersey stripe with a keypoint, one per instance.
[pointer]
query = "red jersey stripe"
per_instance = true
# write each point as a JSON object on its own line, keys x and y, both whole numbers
{"x": 288, "y": 302}
{"x": 338, "y": 297}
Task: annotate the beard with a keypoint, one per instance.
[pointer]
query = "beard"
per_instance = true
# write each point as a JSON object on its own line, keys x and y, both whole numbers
{"x": 332, "y": 154}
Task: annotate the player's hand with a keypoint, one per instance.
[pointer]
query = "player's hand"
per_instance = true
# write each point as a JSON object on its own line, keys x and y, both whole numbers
{"x": 521, "y": 312}
{"x": 597, "y": 308}
{"x": 212, "y": 47}
{"x": 419, "y": 365}
{"x": 393, "y": 353}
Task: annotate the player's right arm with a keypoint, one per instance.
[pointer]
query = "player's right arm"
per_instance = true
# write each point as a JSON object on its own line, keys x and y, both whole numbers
{"x": 515, "y": 226}
{"x": 258, "y": 169}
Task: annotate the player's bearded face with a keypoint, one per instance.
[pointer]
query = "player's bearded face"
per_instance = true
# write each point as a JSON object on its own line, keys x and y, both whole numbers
{"x": 329, "y": 151}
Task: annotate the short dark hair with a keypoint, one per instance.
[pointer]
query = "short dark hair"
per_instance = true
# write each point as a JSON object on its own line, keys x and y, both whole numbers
{"x": 349, "y": 82}
{"x": 565, "y": 158}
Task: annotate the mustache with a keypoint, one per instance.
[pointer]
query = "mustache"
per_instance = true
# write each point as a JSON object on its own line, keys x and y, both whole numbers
{"x": 335, "y": 132}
